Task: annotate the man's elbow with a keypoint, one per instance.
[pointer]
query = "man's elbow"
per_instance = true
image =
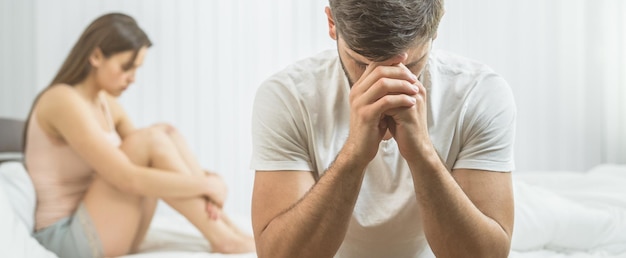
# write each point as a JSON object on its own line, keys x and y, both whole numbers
{"x": 492, "y": 249}
{"x": 283, "y": 248}
{"x": 498, "y": 249}
{"x": 267, "y": 250}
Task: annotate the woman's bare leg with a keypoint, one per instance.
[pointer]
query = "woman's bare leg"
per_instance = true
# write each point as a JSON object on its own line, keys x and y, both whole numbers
{"x": 148, "y": 208}
{"x": 182, "y": 147}
{"x": 222, "y": 238}
{"x": 232, "y": 225}
{"x": 194, "y": 165}
{"x": 117, "y": 216}
{"x": 122, "y": 219}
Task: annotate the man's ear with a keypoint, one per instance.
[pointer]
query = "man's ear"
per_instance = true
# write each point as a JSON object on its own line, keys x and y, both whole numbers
{"x": 96, "y": 57}
{"x": 332, "y": 29}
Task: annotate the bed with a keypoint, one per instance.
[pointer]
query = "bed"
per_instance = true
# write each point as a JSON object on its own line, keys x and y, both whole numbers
{"x": 569, "y": 214}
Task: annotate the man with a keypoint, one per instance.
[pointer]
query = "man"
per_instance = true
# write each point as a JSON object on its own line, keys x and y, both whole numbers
{"x": 381, "y": 148}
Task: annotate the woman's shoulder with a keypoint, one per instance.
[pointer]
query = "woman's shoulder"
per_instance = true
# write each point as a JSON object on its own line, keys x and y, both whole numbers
{"x": 56, "y": 100}
{"x": 52, "y": 104}
{"x": 60, "y": 90}
{"x": 58, "y": 95}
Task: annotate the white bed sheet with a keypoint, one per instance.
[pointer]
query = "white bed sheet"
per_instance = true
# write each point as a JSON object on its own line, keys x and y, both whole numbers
{"x": 558, "y": 215}
{"x": 171, "y": 235}
{"x": 569, "y": 214}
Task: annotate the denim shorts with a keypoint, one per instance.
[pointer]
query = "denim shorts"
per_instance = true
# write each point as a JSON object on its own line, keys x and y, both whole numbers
{"x": 72, "y": 237}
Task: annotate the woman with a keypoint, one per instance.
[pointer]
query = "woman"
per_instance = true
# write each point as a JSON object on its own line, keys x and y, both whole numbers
{"x": 97, "y": 177}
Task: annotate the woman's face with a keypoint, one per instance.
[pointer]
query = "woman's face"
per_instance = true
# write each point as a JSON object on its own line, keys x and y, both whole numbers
{"x": 114, "y": 74}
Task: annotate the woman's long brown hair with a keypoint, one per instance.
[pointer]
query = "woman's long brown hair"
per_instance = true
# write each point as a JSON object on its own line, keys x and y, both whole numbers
{"x": 111, "y": 33}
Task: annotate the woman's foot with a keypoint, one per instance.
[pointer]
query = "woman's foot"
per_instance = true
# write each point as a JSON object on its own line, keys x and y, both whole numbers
{"x": 223, "y": 239}
{"x": 234, "y": 246}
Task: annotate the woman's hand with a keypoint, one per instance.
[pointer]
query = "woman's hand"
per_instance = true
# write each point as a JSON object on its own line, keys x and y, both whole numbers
{"x": 215, "y": 195}
{"x": 212, "y": 210}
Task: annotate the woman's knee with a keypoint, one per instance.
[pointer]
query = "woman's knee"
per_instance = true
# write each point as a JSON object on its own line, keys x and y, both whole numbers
{"x": 164, "y": 127}
{"x": 145, "y": 137}
{"x": 143, "y": 144}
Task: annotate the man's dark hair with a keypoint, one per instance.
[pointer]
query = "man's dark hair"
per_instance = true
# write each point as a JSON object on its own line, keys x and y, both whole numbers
{"x": 381, "y": 29}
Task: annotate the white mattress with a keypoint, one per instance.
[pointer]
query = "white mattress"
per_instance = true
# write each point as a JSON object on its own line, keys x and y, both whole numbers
{"x": 557, "y": 214}
{"x": 171, "y": 235}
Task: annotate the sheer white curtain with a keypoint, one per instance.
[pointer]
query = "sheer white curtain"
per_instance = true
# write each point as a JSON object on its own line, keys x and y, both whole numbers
{"x": 564, "y": 59}
{"x": 566, "y": 62}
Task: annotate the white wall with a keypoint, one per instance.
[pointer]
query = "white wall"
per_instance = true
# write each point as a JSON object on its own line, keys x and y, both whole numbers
{"x": 565, "y": 61}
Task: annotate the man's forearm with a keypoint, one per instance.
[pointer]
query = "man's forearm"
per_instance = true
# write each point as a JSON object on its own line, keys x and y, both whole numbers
{"x": 317, "y": 224}
{"x": 453, "y": 225}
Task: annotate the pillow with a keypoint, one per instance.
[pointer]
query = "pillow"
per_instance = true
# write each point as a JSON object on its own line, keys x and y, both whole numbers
{"x": 19, "y": 190}
{"x": 15, "y": 238}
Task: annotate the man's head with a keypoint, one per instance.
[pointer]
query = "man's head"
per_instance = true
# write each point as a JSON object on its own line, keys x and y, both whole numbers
{"x": 379, "y": 30}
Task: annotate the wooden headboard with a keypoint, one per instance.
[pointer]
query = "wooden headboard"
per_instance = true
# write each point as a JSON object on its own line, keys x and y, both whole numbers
{"x": 11, "y": 131}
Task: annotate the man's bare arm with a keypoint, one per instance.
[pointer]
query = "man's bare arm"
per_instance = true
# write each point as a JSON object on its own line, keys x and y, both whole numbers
{"x": 473, "y": 209}
{"x": 465, "y": 213}
{"x": 288, "y": 221}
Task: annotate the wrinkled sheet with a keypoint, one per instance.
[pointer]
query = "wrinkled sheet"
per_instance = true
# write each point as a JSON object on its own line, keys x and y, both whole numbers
{"x": 566, "y": 214}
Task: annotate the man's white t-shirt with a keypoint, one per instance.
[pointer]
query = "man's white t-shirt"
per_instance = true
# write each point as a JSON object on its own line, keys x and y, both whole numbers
{"x": 301, "y": 121}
